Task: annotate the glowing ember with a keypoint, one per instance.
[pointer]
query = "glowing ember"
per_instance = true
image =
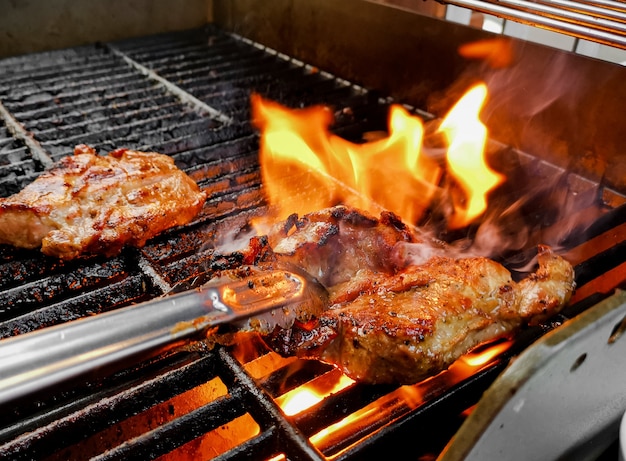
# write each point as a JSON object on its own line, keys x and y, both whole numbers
{"x": 467, "y": 137}
{"x": 306, "y": 168}
{"x": 479, "y": 359}
{"x": 326, "y": 435}
{"x": 304, "y": 397}
{"x": 393, "y": 405}
{"x": 280, "y": 457}
{"x": 302, "y": 400}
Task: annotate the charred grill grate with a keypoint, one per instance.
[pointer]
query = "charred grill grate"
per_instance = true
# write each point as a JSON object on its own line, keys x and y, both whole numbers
{"x": 187, "y": 95}
{"x": 160, "y": 388}
{"x": 17, "y": 166}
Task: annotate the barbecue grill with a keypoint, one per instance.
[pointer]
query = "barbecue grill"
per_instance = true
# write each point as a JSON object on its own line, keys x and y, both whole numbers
{"x": 186, "y": 93}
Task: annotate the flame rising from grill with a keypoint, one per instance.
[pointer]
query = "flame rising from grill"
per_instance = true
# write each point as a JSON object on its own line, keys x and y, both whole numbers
{"x": 467, "y": 137}
{"x": 305, "y": 167}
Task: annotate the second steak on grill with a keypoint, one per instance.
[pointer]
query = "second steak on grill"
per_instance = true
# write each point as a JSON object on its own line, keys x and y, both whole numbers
{"x": 92, "y": 204}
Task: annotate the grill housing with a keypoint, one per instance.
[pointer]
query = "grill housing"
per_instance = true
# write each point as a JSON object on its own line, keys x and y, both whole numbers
{"x": 186, "y": 94}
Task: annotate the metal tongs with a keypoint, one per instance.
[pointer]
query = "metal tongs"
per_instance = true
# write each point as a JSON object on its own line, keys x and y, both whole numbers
{"x": 40, "y": 359}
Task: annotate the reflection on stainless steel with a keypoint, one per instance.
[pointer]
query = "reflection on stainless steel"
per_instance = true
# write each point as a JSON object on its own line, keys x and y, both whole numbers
{"x": 41, "y": 359}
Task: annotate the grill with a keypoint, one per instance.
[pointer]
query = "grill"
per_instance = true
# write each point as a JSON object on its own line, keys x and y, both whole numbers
{"x": 186, "y": 94}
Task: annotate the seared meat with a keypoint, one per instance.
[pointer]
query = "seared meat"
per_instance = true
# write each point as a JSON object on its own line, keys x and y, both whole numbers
{"x": 335, "y": 243}
{"x": 91, "y": 204}
{"x": 409, "y": 323}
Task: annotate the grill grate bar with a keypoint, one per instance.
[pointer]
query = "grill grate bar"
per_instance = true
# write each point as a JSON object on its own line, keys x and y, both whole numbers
{"x": 129, "y": 394}
{"x": 38, "y": 153}
{"x": 64, "y": 84}
{"x": 617, "y": 14}
{"x": 240, "y": 66}
{"x": 113, "y": 295}
{"x": 216, "y": 61}
{"x": 81, "y": 66}
{"x": 263, "y": 446}
{"x": 177, "y": 45}
{"x": 70, "y": 115}
{"x": 292, "y": 440}
{"x": 61, "y": 92}
{"x": 179, "y": 431}
{"x": 172, "y": 60}
{"x": 129, "y": 135}
{"x": 174, "y": 89}
{"x": 178, "y": 143}
{"x": 76, "y": 127}
{"x": 81, "y": 104}
{"x": 25, "y": 63}
{"x": 155, "y": 121}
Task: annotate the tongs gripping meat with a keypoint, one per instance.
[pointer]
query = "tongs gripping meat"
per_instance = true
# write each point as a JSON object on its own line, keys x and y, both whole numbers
{"x": 37, "y": 360}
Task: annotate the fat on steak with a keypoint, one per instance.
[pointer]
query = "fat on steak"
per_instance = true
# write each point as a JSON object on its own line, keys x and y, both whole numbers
{"x": 390, "y": 321}
{"x": 91, "y": 204}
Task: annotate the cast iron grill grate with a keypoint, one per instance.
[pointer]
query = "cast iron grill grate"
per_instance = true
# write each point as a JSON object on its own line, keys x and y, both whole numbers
{"x": 187, "y": 94}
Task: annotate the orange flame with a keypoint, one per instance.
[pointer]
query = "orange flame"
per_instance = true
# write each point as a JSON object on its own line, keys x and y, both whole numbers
{"x": 479, "y": 359}
{"x": 467, "y": 137}
{"x": 306, "y": 168}
{"x": 387, "y": 408}
{"x": 497, "y": 52}
{"x": 306, "y": 396}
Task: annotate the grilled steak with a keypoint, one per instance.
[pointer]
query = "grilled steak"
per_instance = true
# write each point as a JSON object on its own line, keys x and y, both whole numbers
{"x": 394, "y": 322}
{"x": 91, "y": 204}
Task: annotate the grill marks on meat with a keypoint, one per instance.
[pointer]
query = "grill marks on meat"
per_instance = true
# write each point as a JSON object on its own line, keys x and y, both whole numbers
{"x": 335, "y": 243}
{"x": 403, "y": 323}
{"x": 91, "y": 204}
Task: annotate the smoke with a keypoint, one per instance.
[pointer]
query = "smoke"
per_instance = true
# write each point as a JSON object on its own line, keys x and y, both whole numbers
{"x": 552, "y": 110}
{"x": 532, "y": 86}
{"x": 233, "y": 240}
{"x": 536, "y": 97}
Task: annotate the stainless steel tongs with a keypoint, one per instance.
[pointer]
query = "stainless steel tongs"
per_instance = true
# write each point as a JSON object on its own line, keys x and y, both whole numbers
{"x": 40, "y": 359}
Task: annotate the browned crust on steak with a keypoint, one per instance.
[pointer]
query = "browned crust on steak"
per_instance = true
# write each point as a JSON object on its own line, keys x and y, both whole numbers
{"x": 334, "y": 243}
{"x": 91, "y": 204}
